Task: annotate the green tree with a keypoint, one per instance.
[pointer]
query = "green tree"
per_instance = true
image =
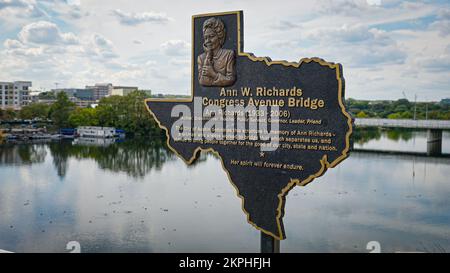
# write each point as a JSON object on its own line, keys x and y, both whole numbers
{"x": 138, "y": 119}
{"x": 60, "y": 111}
{"x": 84, "y": 117}
{"x": 394, "y": 116}
{"x": 128, "y": 113}
{"x": 361, "y": 115}
{"x": 8, "y": 114}
{"x": 111, "y": 111}
{"x": 47, "y": 96}
{"x": 35, "y": 110}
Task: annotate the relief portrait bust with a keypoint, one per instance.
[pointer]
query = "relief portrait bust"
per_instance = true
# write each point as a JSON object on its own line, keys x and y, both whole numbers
{"x": 216, "y": 65}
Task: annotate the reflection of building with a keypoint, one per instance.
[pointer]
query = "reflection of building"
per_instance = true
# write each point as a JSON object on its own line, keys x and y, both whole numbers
{"x": 91, "y": 141}
{"x": 14, "y": 94}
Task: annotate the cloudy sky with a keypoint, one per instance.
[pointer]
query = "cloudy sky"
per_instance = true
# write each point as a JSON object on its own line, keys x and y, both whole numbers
{"x": 387, "y": 47}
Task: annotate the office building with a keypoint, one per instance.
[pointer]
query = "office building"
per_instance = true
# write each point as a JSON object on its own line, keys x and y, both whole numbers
{"x": 14, "y": 95}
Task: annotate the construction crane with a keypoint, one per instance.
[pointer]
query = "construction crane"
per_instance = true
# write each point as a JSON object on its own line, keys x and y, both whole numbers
{"x": 415, "y": 103}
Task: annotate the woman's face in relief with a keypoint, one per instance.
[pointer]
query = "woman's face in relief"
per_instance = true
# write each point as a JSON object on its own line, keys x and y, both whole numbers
{"x": 211, "y": 40}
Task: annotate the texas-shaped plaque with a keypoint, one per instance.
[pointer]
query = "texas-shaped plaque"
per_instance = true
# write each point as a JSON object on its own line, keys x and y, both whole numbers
{"x": 238, "y": 98}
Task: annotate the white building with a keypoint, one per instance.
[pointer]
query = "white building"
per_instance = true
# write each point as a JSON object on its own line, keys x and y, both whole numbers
{"x": 94, "y": 131}
{"x": 14, "y": 95}
{"x": 123, "y": 90}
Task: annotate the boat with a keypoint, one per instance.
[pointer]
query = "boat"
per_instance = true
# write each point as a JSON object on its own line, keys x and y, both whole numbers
{"x": 68, "y": 133}
{"x": 96, "y": 132}
{"x": 120, "y": 133}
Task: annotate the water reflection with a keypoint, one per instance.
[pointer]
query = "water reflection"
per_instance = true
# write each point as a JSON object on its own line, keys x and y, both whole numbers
{"x": 135, "y": 157}
{"x": 12, "y": 154}
{"x": 136, "y": 196}
{"x": 406, "y": 140}
{"x": 366, "y": 134}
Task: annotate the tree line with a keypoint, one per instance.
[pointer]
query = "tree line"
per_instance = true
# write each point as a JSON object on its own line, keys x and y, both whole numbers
{"x": 399, "y": 109}
{"x": 125, "y": 112}
{"x": 129, "y": 112}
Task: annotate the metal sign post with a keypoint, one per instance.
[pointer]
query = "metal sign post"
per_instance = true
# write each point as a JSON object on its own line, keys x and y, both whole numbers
{"x": 269, "y": 244}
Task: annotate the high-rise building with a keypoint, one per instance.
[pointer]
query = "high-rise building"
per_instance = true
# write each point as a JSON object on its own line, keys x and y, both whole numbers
{"x": 14, "y": 95}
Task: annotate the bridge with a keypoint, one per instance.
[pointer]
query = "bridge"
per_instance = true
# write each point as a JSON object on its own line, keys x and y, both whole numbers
{"x": 403, "y": 123}
{"x": 434, "y": 127}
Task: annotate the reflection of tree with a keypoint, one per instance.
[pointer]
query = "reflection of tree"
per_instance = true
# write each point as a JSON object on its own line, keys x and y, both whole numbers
{"x": 201, "y": 157}
{"x": 400, "y": 133}
{"x": 22, "y": 154}
{"x": 365, "y": 134}
{"x": 136, "y": 157}
{"x": 60, "y": 152}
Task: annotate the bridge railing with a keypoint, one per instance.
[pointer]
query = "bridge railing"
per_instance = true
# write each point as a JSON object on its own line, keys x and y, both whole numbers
{"x": 404, "y": 123}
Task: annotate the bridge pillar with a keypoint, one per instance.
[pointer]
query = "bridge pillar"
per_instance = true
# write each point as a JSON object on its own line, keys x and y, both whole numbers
{"x": 434, "y": 142}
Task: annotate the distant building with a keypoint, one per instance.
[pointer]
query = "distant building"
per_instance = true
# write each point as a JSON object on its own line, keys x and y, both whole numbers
{"x": 123, "y": 90}
{"x": 70, "y": 92}
{"x": 84, "y": 103}
{"x": 445, "y": 101}
{"x": 82, "y": 94}
{"x": 14, "y": 95}
{"x": 34, "y": 96}
{"x": 101, "y": 90}
{"x": 85, "y": 94}
{"x": 81, "y": 97}
{"x": 91, "y": 95}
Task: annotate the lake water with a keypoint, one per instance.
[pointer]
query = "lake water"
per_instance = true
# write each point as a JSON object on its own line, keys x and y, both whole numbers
{"x": 136, "y": 196}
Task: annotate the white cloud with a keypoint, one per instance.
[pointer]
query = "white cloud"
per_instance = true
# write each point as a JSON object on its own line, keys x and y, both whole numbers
{"x": 348, "y": 7}
{"x": 131, "y": 19}
{"x": 359, "y": 44}
{"x": 11, "y": 44}
{"x": 20, "y": 9}
{"x": 13, "y": 3}
{"x": 442, "y": 25}
{"x": 374, "y": 2}
{"x": 44, "y": 32}
{"x": 101, "y": 49}
{"x": 83, "y": 42}
{"x": 175, "y": 47}
{"x": 440, "y": 63}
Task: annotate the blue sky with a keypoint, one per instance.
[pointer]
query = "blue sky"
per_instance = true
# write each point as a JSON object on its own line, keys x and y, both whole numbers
{"x": 386, "y": 47}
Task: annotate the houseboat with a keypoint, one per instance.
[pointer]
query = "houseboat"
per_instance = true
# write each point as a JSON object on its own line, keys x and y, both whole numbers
{"x": 93, "y": 131}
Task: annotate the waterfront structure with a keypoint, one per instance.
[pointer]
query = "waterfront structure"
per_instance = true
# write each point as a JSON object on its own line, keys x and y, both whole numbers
{"x": 14, "y": 95}
{"x": 434, "y": 127}
{"x": 94, "y": 131}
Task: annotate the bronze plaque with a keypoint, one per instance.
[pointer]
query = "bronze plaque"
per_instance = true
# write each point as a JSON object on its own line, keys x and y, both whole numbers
{"x": 300, "y": 103}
